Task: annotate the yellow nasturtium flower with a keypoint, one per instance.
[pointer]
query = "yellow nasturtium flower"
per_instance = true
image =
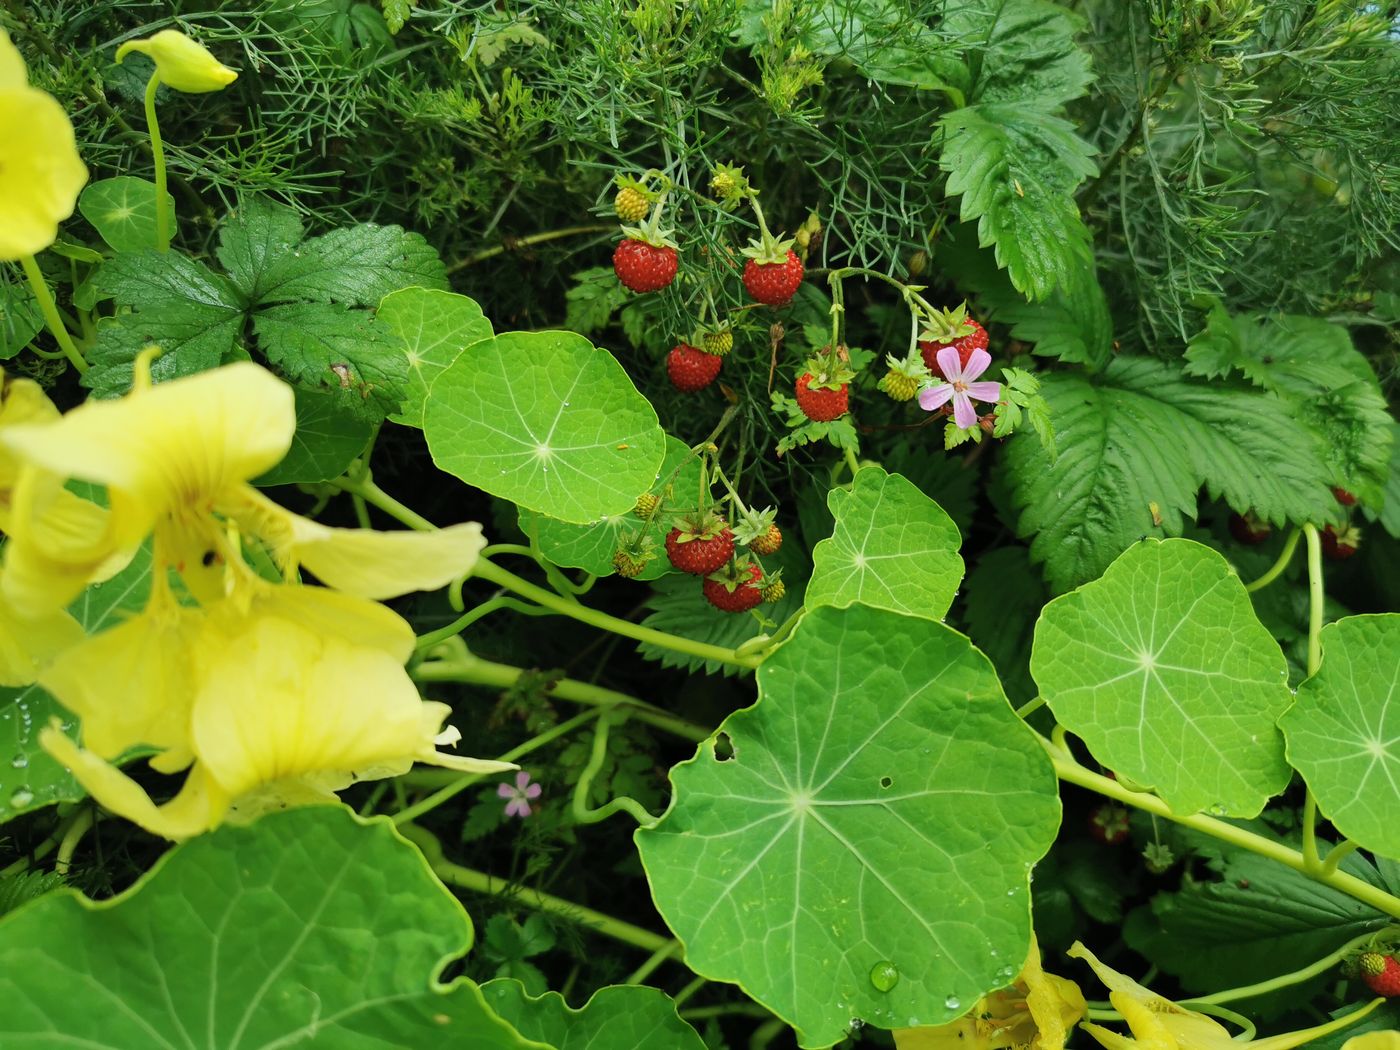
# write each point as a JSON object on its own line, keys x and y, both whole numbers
{"x": 182, "y": 63}
{"x": 40, "y": 170}
{"x": 1157, "y": 1023}
{"x": 1374, "y": 1041}
{"x": 1036, "y": 1013}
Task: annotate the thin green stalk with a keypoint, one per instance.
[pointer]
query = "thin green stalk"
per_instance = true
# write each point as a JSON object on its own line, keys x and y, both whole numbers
{"x": 1307, "y": 973}
{"x": 476, "y": 671}
{"x": 685, "y": 994}
{"x": 1316, "y": 603}
{"x": 377, "y": 497}
{"x": 158, "y": 153}
{"x": 457, "y": 626}
{"x": 481, "y": 882}
{"x": 653, "y": 962}
{"x": 437, "y": 798}
{"x": 1072, "y": 772}
{"x": 1285, "y": 556}
{"x": 851, "y": 462}
{"x": 49, "y": 309}
{"x": 1030, "y": 706}
{"x": 1337, "y": 854}
{"x": 515, "y": 243}
{"x": 81, "y": 824}
{"x": 582, "y": 813}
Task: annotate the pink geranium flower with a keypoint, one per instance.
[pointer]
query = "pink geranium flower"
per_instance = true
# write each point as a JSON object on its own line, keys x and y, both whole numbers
{"x": 960, "y": 386}
{"x": 519, "y": 795}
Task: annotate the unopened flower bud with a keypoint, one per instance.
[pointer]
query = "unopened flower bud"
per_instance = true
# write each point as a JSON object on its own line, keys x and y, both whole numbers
{"x": 181, "y": 62}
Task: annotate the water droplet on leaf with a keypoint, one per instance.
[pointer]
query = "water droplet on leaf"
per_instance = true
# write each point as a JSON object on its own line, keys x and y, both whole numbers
{"x": 22, "y": 796}
{"x": 20, "y": 761}
{"x": 953, "y": 1002}
{"x": 884, "y": 975}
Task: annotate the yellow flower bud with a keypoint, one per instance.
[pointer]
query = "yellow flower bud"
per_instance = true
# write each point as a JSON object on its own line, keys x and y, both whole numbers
{"x": 182, "y": 63}
{"x": 40, "y": 170}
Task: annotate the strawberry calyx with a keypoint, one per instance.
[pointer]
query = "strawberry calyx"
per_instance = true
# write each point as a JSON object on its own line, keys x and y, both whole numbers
{"x": 729, "y": 183}
{"x": 753, "y": 524}
{"x": 705, "y": 524}
{"x": 946, "y": 326}
{"x": 737, "y": 572}
{"x": 650, "y": 232}
{"x": 828, "y": 371}
{"x": 766, "y": 250}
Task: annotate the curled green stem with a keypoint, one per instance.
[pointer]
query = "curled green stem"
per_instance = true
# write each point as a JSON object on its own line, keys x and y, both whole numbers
{"x": 622, "y": 804}
{"x": 1285, "y": 556}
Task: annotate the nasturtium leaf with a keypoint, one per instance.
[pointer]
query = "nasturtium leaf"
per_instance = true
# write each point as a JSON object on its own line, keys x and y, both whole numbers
{"x": 619, "y": 1017}
{"x": 123, "y": 211}
{"x": 892, "y": 548}
{"x": 1344, "y": 730}
{"x": 548, "y": 421}
{"x": 591, "y": 547}
{"x": 435, "y": 326}
{"x": 882, "y": 805}
{"x": 1163, "y": 669}
{"x": 325, "y": 443}
{"x": 308, "y": 928}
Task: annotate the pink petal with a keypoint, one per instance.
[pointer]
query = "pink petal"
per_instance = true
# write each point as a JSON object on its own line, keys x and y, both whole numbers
{"x": 533, "y": 791}
{"x": 935, "y": 396}
{"x": 505, "y": 791}
{"x": 950, "y": 363}
{"x": 964, "y": 415}
{"x": 984, "y": 391}
{"x": 521, "y": 779}
{"x": 517, "y": 808}
{"x": 976, "y": 365}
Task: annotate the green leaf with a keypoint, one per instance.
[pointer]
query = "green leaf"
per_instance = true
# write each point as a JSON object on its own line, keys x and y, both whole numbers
{"x": 1163, "y": 669}
{"x": 123, "y": 212}
{"x": 882, "y": 805}
{"x": 1344, "y": 730}
{"x": 253, "y": 238}
{"x": 1311, "y": 364}
{"x": 29, "y": 778}
{"x": 193, "y": 314}
{"x": 591, "y": 547}
{"x": 1026, "y": 50}
{"x": 20, "y": 318}
{"x": 1015, "y": 167}
{"x": 548, "y": 421}
{"x": 325, "y": 443}
{"x": 343, "y": 352}
{"x": 619, "y": 1017}
{"x": 435, "y": 326}
{"x": 1389, "y": 513}
{"x": 884, "y": 44}
{"x": 308, "y": 926}
{"x": 892, "y": 548}
{"x": 1002, "y": 599}
{"x": 590, "y": 304}
{"x": 1141, "y": 438}
{"x": 357, "y": 265}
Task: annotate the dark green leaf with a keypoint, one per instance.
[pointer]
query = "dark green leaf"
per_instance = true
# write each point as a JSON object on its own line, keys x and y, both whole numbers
{"x": 254, "y": 237}
{"x": 325, "y": 443}
{"x": 620, "y": 1017}
{"x": 358, "y": 266}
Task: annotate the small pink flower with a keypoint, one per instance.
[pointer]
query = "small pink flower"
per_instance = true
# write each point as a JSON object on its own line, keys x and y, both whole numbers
{"x": 519, "y": 796}
{"x": 960, "y": 386}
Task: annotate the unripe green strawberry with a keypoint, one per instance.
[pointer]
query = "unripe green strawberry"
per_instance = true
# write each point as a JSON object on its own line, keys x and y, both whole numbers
{"x": 646, "y": 506}
{"x": 719, "y": 342}
{"x": 768, "y": 542}
{"x": 899, "y": 386}
{"x": 631, "y": 204}
{"x": 629, "y": 564}
{"x": 774, "y": 591}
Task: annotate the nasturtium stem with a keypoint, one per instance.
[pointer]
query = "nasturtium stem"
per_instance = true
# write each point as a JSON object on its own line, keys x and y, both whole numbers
{"x": 158, "y": 153}
{"x": 641, "y": 973}
{"x": 1072, "y": 772}
{"x": 582, "y": 813}
{"x": 80, "y": 825}
{"x": 1285, "y": 556}
{"x": 1030, "y": 706}
{"x": 1316, "y": 603}
{"x": 377, "y": 497}
{"x": 852, "y": 463}
{"x": 49, "y": 309}
{"x": 457, "y": 626}
{"x": 481, "y": 882}
{"x": 1337, "y": 854}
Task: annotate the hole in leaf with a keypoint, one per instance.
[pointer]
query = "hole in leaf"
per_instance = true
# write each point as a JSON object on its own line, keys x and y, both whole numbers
{"x": 723, "y": 748}
{"x": 885, "y": 782}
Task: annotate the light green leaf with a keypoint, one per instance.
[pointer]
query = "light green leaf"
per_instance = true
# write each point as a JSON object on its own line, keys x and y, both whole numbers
{"x": 619, "y": 1017}
{"x": 882, "y": 805}
{"x": 308, "y": 928}
{"x": 1163, "y": 669}
{"x": 29, "y": 778}
{"x": 892, "y": 548}
{"x": 1344, "y": 731}
{"x": 344, "y": 353}
{"x": 548, "y": 421}
{"x": 325, "y": 443}
{"x": 123, "y": 212}
{"x": 357, "y": 265}
{"x": 1140, "y": 436}
{"x": 435, "y": 326}
{"x": 591, "y": 547}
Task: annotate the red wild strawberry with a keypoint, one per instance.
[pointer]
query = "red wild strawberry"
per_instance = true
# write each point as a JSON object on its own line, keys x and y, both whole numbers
{"x": 1248, "y": 529}
{"x": 822, "y": 404}
{"x": 768, "y": 542}
{"x": 964, "y": 344}
{"x": 1109, "y": 824}
{"x": 773, "y": 283}
{"x": 1345, "y": 498}
{"x": 735, "y": 590}
{"x": 691, "y": 369}
{"x": 644, "y": 267}
{"x": 700, "y": 547}
{"x": 1340, "y": 545}
{"x": 1381, "y": 974}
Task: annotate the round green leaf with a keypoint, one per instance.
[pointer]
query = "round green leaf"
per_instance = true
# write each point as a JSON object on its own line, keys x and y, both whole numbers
{"x": 548, "y": 421}
{"x": 892, "y": 548}
{"x": 325, "y": 443}
{"x": 591, "y": 547}
{"x": 309, "y": 926}
{"x": 436, "y": 326}
{"x": 1344, "y": 730}
{"x": 1163, "y": 669}
{"x": 619, "y": 1017}
{"x": 123, "y": 211}
{"x": 882, "y": 808}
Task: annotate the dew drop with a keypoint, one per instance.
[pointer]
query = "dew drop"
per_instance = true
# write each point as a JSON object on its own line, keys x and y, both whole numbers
{"x": 20, "y": 761}
{"x": 953, "y": 1002}
{"x": 22, "y": 796}
{"x": 1005, "y": 974}
{"x": 884, "y": 975}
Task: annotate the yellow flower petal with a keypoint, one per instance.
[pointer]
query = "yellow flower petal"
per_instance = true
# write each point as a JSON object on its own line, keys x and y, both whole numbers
{"x": 363, "y": 562}
{"x": 182, "y": 63}
{"x": 1055, "y": 1003}
{"x": 58, "y": 544}
{"x": 21, "y": 401}
{"x": 178, "y": 447}
{"x": 12, "y": 72}
{"x": 1374, "y": 1041}
{"x": 27, "y": 643}
{"x": 40, "y": 171}
{"x": 961, "y": 1034}
{"x": 354, "y": 621}
{"x": 198, "y": 807}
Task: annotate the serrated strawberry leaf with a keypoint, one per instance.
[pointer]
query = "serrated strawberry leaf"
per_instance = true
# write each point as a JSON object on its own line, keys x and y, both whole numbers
{"x": 1026, "y": 50}
{"x": 357, "y": 265}
{"x": 252, "y": 240}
